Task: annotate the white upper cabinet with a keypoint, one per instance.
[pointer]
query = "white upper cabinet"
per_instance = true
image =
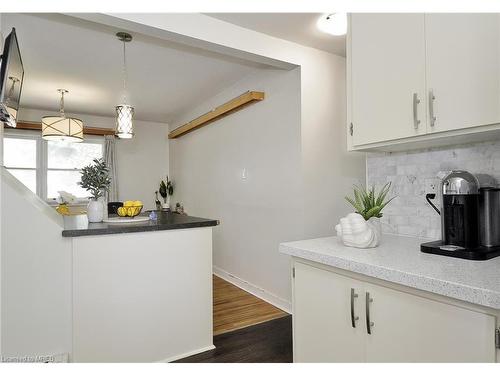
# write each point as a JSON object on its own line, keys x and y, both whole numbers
{"x": 463, "y": 70}
{"x": 388, "y": 76}
{"x": 450, "y": 61}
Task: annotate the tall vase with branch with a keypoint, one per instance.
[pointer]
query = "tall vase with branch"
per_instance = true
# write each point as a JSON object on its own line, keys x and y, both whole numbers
{"x": 95, "y": 179}
{"x": 166, "y": 190}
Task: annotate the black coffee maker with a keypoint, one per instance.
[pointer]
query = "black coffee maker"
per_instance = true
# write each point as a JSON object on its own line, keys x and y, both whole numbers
{"x": 460, "y": 219}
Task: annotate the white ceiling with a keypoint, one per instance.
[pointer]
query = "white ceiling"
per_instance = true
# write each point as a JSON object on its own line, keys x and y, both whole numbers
{"x": 296, "y": 27}
{"x": 86, "y": 58}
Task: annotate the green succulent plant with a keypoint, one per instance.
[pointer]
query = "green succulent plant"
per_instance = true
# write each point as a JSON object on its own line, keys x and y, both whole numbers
{"x": 369, "y": 203}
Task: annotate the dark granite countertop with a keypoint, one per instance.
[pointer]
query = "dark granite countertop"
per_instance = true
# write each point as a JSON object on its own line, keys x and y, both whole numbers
{"x": 79, "y": 226}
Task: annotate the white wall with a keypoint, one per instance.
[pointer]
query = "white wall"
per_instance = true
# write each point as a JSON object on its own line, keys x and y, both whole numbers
{"x": 141, "y": 161}
{"x": 36, "y": 276}
{"x": 259, "y": 212}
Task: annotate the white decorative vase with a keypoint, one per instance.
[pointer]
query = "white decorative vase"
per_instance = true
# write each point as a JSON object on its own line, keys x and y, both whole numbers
{"x": 166, "y": 205}
{"x": 354, "y": 231}
{"x": 95, "y": 211}
{"x": 376, "y": 225}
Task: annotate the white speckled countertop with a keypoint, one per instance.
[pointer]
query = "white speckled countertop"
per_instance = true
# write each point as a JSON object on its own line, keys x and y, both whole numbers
{"x": 399, "y": 260}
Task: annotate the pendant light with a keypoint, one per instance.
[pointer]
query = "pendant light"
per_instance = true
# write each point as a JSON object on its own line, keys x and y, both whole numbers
{"x": 62, "y": 128}
{"x": 124, "y": 112}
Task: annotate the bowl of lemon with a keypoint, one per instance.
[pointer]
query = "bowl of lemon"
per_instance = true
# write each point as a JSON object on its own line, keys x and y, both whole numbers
{"x": 130, "y": 209}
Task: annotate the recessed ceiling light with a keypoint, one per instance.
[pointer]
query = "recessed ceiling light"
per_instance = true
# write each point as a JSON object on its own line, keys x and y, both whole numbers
{"x": 333, "y": 23}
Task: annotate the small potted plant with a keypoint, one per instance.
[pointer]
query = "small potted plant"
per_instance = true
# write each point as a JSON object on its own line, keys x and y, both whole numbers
{"x": 95, "y": 179}
{"x": 166, "y": 190}
{"x": 362, "y": 228}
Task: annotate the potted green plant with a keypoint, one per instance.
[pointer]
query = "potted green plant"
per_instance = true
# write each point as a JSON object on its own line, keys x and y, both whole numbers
{"x": 95, "y": 179}
{"x": 166, "y": 190}
{"x": 362, "y": 228}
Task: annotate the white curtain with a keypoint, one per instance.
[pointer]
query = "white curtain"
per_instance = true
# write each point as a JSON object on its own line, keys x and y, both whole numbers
{"x": 110, "y": 159}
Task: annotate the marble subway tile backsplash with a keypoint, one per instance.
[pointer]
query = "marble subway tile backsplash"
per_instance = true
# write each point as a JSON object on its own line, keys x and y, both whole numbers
{"x": 414, "y": 173}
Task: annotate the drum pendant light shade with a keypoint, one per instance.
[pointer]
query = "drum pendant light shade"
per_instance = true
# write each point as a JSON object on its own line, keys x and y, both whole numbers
{"x": 62, "y": 128}
{"x": 55, "y": 128}
{"x": 124, "y": 121}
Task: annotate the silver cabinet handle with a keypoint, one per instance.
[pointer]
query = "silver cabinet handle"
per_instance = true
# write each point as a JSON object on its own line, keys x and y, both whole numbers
{"x": 432, "y": 97}
{"x": 353, "y": 317}
{"x": 369, "y": 324}
{"x": 416, "y": 102}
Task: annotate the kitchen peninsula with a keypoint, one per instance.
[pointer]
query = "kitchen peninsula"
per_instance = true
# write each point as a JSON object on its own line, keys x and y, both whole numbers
{"x": 142, "y": 292}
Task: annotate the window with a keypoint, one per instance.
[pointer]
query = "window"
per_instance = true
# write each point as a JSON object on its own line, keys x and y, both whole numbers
{"x": 64, "y": 163}
{"x": 48, "y": 167}
{"x": 20, "y": 158}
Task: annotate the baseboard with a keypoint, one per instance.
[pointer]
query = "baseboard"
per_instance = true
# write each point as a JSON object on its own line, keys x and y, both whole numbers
{"x": 253, "y": 289}
{"x": 188, "y": 354}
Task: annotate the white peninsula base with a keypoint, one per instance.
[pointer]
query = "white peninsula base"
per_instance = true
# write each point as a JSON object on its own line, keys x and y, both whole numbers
{"x": 142, "y": 297}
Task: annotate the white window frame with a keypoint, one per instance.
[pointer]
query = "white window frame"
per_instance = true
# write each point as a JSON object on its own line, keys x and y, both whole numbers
{"x": 42, "y": 160}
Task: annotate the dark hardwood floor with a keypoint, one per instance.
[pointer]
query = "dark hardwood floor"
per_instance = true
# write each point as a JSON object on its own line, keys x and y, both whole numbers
{"x": 261, "y": 343}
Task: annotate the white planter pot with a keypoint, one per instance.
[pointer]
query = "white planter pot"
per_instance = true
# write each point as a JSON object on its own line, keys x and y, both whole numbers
{"x": 166, "y": 205}
{"x": 374, "y": 223}
{"x": 95, "y": 211}
{"x": 354, "y": 231}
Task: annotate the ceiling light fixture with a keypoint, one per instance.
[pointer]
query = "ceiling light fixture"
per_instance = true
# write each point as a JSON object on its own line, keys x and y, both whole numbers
{"x": 333, "y": 23}
{"x": 124, "y": 112}
{"x": 62, "y": 128}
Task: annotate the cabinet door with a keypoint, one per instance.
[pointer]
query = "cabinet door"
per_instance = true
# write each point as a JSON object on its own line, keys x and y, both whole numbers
{"x": 387, "y": 70}
{"x": 408, "y": 328}
{"x": 322, "y": 324}
{"x": 463, "y": 69}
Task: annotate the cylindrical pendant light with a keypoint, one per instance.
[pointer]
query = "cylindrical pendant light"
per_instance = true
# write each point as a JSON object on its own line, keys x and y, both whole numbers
{"x": 62, "y": 128}
{"x": 124, "y": 121}
{"x": 124, "y": 112}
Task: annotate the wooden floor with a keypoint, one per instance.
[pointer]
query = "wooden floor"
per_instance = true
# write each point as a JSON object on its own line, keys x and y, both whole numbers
{"x": 233, "y": 308}
{"x": 269, "y": 342}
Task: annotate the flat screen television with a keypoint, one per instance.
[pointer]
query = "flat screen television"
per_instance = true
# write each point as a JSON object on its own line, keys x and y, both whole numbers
{"x": 11, "y": 80}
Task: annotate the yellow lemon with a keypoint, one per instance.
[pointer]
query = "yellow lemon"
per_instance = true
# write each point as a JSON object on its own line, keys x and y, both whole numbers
{"x": 128, "y": 203}
{"x": 137, "y": 203}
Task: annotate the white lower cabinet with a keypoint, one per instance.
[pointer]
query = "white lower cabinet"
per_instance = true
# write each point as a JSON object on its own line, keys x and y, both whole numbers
{"x": 408, "y": 328}
{"x": 322, "y": 325}
{"x": 381, "y": 324}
